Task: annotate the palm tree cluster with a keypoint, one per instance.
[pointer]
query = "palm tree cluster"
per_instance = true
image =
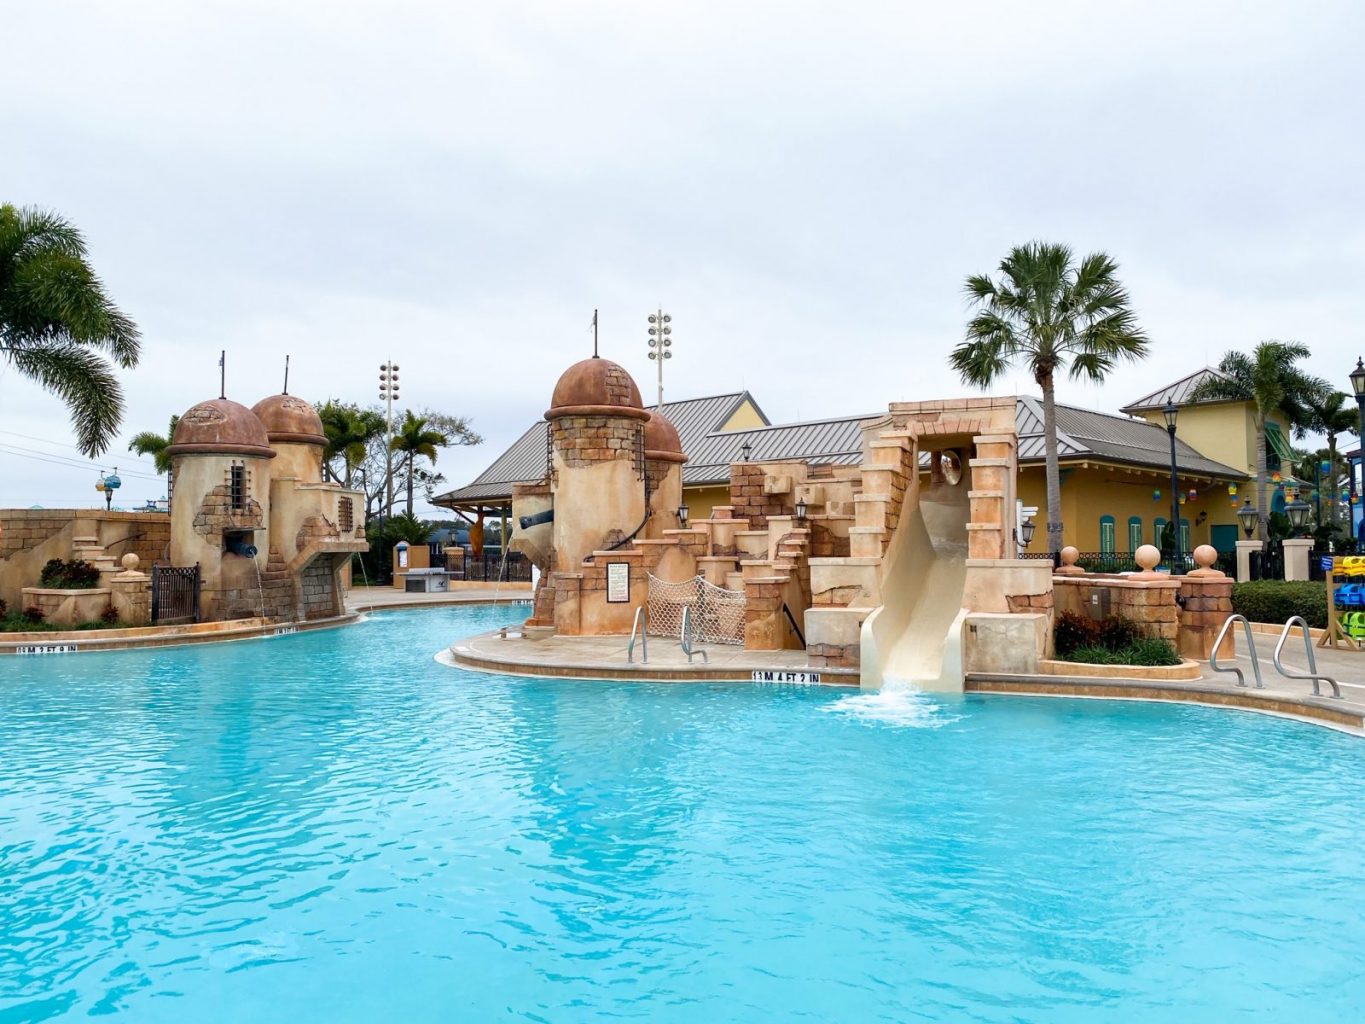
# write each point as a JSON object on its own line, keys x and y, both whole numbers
{"x": 57, "y": 325}
{"x": 1055, "y": 315}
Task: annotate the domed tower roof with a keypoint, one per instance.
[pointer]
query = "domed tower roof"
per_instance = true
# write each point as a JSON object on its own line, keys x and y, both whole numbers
{"x": 661, "y": 440}
{"x": 290, "y": 420}
{"x": 596, "y": 387}
{"x": 220, "y": 427}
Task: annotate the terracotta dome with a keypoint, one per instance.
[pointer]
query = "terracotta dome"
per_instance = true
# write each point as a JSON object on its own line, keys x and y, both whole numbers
{"x": 289, "y": 420}
{"x": 220, "y": 427}
{"x": 596, "y": 387}
{"x": 661, "y": 440}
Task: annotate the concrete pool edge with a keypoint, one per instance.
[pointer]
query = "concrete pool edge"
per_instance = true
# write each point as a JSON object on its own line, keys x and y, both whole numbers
{"x": 144, "y": 638}
{"x": 1339, "y": 715}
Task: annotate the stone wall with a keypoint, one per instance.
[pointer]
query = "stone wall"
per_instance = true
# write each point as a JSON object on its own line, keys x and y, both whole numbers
{"x": 752, "y": 495}
{"x": 584, "y": 440}
{"x": 1207, "y": 605}
{"x": 1149, "y": 604}
{"x": 320, "y": 597}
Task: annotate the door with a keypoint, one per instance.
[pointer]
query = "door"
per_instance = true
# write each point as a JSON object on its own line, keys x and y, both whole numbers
{"x": 1223, "y": 537}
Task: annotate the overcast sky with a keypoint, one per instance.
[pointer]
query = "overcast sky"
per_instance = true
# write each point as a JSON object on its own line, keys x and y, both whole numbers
{"x": 803, "y": 186}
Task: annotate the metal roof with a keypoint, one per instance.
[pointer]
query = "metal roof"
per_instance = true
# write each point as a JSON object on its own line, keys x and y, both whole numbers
{"x": 1097, "y": 435}
{"x": 1179, "y": 392}
{"x": 524, "y": 461}
{"x": 819, "y": 442}
{"x": 1081, "y": 434}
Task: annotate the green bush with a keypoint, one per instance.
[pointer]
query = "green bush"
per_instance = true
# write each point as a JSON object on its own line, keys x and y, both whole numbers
{"x": 1275, "y": 601}
{"x": 1093, "y": 655}
{"x": 1117, "y": 633}
{"x": 76, "y": 574}
{"x": 1150, "y": 650}
{"x": 1073, "y": 632}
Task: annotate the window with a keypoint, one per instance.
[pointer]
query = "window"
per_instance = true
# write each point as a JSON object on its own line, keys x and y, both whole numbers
{"x": 1134, "y": 533}
{"x": 1184, "y": 536}
{"x": 1158, "y": 524}
{"x": 345, "y": 515}
{"x": 1106, "y": 535}
{"x": 237, "y": 487}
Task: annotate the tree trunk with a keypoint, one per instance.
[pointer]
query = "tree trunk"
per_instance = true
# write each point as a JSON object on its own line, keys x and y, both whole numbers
{"x": 1262, "y": 501}
{"x": 1054, "y": 476}
{"x": 411, "y": 455}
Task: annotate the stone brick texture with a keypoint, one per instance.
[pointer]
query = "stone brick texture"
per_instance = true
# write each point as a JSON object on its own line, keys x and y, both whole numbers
{"x": 586, "y": 440}
{"x": 834, "y": 655}
{"x": 315, "y": 528}
{"x": 217, "y": 516}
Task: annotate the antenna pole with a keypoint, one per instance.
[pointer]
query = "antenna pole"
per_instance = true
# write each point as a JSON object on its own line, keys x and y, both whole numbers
{"x": 222, "y": 374}
{"x": 286, "y": 375}
{"x": 594, "y": 334}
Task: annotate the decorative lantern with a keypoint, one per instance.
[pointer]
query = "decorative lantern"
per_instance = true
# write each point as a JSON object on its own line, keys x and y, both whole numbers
{"x": 1194, "y": 494}
{"x": 1275, "y": 477}
{"x": 1232, "y": 490}
{"x": 1182, "y": 499}
{"x": 1156, "y": 494}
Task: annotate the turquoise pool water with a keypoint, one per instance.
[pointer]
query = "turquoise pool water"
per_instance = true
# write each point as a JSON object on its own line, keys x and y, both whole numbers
{"x": 332, "y": 827}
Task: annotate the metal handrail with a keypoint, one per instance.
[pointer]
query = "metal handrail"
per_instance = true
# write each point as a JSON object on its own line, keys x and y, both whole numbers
{"x": 641, "y": 625}
{"x": 1251, "y": 652}
{"x": 1312, "y": 673}
{"x": 686, "y": 636}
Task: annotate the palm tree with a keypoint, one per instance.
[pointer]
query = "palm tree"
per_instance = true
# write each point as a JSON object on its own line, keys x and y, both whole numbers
{"x": 158, "y": 447}
{"x": 55, "y": 319}
{"x": 349, "y": 429}
{"x": 1270, "y": 379}
{"x": 415, "y": 437}
{"x": 1054, "y": 316}
{"x": 1329, "y": 415}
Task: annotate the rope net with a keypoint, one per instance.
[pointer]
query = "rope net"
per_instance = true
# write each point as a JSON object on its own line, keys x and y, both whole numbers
{"x": 717, "y": 613}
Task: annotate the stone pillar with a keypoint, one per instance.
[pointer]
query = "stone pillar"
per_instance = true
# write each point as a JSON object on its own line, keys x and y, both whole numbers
{"x": 1207, "y": 605}
{"x": 1296, "y": 552}
{"x": 131, "y": 593}
{"x": 1244, "y": 552}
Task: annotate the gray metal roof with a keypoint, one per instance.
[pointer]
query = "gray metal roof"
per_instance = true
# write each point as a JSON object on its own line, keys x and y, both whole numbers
{"x": 1081, "y": 434}
{"x": 524, "y": 462}
{"x": 819, "y": 442}
{"x": 1179, "y": 392}
{"x": 1097, "y": 435}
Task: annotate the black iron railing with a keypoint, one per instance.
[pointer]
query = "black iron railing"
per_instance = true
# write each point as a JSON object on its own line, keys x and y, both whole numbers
{"x": 175, "y": 594}
{"x": 488, "y": 567}
{"x": 1122, "y": 561}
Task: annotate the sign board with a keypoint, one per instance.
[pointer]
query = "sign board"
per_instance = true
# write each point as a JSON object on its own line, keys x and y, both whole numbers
{"x": 46, "y": 649}
{"x": 285, "y": 630}
{"x": 794, "y": 678}
{"x": 618, "y": 582}
{"x": 1325, "y": 563}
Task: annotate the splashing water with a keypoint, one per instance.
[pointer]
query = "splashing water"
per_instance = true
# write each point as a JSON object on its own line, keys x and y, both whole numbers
{"x": 902, "y": 707}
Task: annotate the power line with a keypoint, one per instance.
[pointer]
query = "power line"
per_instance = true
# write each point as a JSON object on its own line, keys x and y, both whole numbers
{"x": 62, "y": 461}
{"x": 72, "y": 447}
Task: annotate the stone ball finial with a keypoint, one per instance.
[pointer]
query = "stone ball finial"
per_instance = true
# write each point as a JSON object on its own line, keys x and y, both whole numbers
{"x": 1204, "y": 557}
{"x": 1148, "y": 557}
{"x": 130, "y": 562}
{"x": 1069, "y": 567}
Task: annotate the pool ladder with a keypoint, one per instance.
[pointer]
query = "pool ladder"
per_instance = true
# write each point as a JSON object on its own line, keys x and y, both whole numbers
{"x": 1312, "y": 674}
{"x": 639, "y": 627}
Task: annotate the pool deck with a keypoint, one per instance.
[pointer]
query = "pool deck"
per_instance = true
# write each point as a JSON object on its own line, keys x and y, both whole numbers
{"x": 606, "y": 658}
{"x": 369, "y": 599}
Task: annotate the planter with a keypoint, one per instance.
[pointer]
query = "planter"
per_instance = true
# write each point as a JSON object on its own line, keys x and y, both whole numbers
{"x": 1185, "y": 670}
{"x": 67, "y": 607}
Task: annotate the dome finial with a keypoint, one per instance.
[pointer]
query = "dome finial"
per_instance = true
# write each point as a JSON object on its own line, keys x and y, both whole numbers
{"x": 594, "y": 334}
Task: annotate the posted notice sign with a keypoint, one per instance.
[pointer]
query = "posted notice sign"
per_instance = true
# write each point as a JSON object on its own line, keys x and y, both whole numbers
{"x": 618, "y": 582}
{"x": 46, "y": 649}
{"x": 793, "y": 678}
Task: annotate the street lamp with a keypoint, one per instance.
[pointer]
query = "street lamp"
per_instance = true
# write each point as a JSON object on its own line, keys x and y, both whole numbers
{"x": 1024, "y": 535}
{"x": 1358, "y": 386}
{"x": 388, "y": 394}
{"x": 800, "y": 510}
{"x": 745, "y": 449}
{"x": 683, "y": 513}
{"x": 1170, "y": 412}
{"x": 1247, "y": 516}
{"x": 1297, "y": 511}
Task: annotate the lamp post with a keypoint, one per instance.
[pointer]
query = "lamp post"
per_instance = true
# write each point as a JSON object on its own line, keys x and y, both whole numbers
{"x": 683, "y": 513}
{"x": 1247, "y": 516}
{"x": 1297, "y": 511}
{"x": 1170, "y": 412}
{"x": 1358, "y": 386}
{"x": 388, "y": 394}
{"x": 660, "y": 345}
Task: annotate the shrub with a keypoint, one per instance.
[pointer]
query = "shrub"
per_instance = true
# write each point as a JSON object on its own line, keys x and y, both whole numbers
{"x": 1093, "y": 655}
{"x": 1149, "y": 650}
{"x": 1116, "y": 633}
{"x": 1275, "y": 601}
{"x": 110, "y": 616}
{"x": 1072, "y": 632}
{"x": 76, "y": 574}
{"x": 34, "y": 615}
{"x": 4, "y": 608}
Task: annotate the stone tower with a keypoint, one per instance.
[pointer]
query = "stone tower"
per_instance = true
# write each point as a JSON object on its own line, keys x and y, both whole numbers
{"x": 220, "y": 456}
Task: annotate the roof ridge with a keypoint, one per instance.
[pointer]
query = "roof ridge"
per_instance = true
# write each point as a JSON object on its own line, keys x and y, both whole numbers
{"x": 1138, "y": 402}
{"x": 1062, "y": 435}
{"x": 798, "y": 423}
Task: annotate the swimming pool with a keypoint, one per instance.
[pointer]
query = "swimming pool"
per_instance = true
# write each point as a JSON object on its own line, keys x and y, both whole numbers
{"x": 331, "y": 826}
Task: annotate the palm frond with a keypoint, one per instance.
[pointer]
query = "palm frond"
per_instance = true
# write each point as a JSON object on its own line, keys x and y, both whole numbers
{"x": 84, "y": 382}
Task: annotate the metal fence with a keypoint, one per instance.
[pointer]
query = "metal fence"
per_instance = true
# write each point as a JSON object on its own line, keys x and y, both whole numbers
{"x": 175, "y": 594}
{"x": 488, "y": 567}
{"x": 1122, "y": 561}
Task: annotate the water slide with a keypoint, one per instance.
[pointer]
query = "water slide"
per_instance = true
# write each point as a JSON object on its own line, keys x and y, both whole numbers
{"x": 914, "y": 640}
